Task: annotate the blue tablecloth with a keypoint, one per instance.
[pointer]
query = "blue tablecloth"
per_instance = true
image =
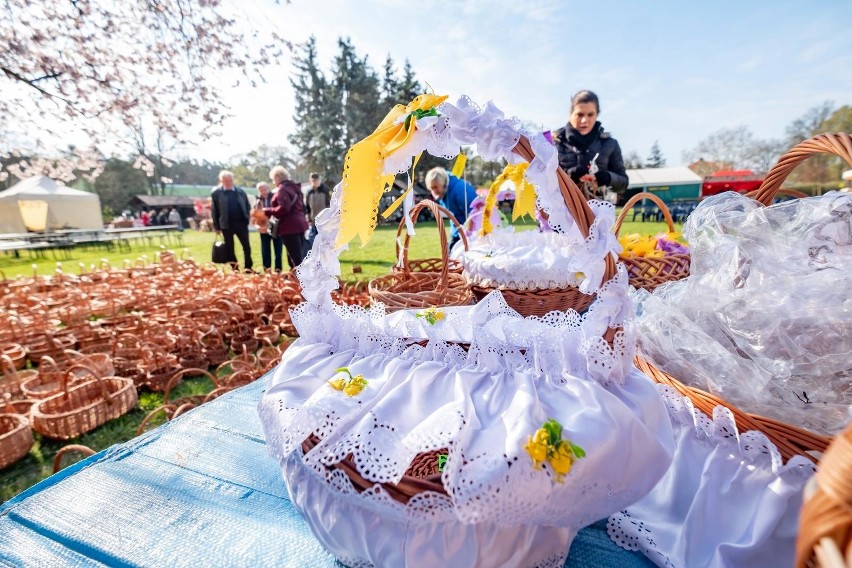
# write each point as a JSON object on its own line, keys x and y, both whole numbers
{"x": 198, "y": 491}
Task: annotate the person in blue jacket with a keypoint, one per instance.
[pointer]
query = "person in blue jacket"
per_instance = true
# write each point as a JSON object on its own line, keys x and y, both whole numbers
{"x": 453, "y": 193}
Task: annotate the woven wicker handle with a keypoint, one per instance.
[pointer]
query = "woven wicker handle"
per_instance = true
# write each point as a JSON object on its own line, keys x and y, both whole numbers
{"x": 838, "y": 144}
{"x": 636, "y": 199}
{"x": 576, "y": 203}
{"x": 104, "y": 391}
{"x": 57, "y": 460}
{"x": 189, "y": 371}
{"x": 9, "y": 367}
{"x": 783, "y": 191}
{"x": 437, "y": 212}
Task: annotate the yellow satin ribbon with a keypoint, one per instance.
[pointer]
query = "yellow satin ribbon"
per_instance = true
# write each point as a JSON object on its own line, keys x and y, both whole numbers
{"x": 458, "y": 167}
{"x": 398, "y": 201}
{"x": 524, "y": 195}
{"x": 363, "y": 180}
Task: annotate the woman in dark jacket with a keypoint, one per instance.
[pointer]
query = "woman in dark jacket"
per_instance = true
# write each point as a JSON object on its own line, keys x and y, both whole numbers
{"x": 288, "y": 207}
{"x": 583, "y": 138}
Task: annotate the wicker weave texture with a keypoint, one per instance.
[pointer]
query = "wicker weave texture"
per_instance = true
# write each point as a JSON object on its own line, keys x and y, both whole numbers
{"x": 16, "y": 438}
{"x": 417, "y": 290}
{"x": 540, "y": 301}
{"x": 825, "y": 524}
{"x": 427, "y": 264}
{"x": 82, "y": 408}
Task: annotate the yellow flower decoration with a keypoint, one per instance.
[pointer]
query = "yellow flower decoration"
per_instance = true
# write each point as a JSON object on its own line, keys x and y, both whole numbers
{"x": 433, "y": 315}
{"x": 547, "y": 445}
{"x": 351, "y": 386}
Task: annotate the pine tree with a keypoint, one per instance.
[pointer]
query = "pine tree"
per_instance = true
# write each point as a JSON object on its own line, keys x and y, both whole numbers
{"x": 655, "y": 158}
{"x": 390, "y": 86}
{"x": 317, "y": 137}
{"x": 358, "y": 88}
{"x": 409, "y": 87}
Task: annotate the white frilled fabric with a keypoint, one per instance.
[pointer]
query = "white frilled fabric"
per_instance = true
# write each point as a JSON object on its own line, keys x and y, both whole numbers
{"x": 727, "y": 501}
{"x": 426, "y": 392}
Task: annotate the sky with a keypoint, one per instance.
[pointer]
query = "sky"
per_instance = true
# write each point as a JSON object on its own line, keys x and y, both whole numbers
{"x": 672, "y": 72}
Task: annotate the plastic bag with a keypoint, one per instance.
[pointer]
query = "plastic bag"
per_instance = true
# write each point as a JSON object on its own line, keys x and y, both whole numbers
{"x": 765, "y": 319}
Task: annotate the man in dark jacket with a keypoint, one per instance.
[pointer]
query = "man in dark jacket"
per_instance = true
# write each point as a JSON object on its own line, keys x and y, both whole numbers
{"x": 318, "y": 198}
{"x": 230, "y": 214}
{"x": 583, "y": 140}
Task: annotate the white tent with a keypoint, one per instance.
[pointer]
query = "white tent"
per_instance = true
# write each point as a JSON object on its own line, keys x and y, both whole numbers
{"x": 39, "y": 203}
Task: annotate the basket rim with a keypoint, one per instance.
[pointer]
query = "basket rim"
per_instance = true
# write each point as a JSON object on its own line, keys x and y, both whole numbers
{"x": 124, "y": 386}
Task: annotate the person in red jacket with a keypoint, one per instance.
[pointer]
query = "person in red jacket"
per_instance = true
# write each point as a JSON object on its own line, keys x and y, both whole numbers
{"x": 288, "y": 206}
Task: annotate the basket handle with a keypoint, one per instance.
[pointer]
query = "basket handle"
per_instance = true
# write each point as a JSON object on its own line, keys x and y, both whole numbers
{"x": 173, "y": 381}
{"x": 9, "y": 367}
{"x": 636, "y": 199}
{"x": 104, "y": 391}
{"x": 783, "y": 191}
{"x": 57, "y": 460}
{"x": 437, "y": 212}
{"x": 839, "y": 144}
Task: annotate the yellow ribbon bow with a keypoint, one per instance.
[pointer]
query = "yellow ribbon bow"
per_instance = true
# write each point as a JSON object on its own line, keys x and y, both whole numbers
{"x": 363, "y": 177}
{"x": 524, "y": 195}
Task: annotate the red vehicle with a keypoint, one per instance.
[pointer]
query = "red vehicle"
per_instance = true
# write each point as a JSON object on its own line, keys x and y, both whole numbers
{"x": 741, "y": 181}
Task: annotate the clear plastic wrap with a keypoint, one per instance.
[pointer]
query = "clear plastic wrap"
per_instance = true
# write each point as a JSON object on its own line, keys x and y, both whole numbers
{"x": 765, "y": 319}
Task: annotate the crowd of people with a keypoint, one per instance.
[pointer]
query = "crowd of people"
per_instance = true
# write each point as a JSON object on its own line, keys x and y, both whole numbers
{"x": 286, "y": 220}
{"x": 283, "y": 217}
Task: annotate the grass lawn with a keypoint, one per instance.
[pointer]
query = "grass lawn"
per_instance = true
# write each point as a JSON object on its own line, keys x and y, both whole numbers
{"x": 374, "y": 259}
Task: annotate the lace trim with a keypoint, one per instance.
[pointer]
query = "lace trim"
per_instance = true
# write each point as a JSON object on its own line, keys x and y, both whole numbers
{"x": 631, "y": 534}
{"x": 752, "y": 446}
{"x": 497, "y": 341}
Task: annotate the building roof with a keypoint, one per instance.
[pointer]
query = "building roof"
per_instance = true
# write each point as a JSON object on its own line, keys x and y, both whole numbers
{"x": 42, "y": 185}
{"x": 680, "y": 175}
{"x": 165, "y": 200}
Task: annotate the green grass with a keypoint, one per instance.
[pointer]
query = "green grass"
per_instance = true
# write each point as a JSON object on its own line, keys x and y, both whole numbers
{"x": 375, "y": 259}
{"x": 38, "y": 464}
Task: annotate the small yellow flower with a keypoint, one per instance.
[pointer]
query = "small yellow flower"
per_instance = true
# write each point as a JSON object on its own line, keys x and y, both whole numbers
{"x": 338, "y": 383}
{"x": 561, "y": 465}
{"x": 355, "y": 385}
{"x": 431, "y": 315}
{"x": 547, "y": 445}
{"x": 538, "y": 452}
{"x": 579, "y": 275}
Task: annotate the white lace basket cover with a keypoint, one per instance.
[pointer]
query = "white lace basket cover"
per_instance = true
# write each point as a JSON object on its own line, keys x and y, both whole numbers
{"x": 727, "y": 501}
{"x": 424, "y": 392}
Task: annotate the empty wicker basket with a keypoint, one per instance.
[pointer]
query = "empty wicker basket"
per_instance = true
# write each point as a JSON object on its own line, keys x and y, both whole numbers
{"x": 414, "y": 290}
{"x": 84, "y": 407}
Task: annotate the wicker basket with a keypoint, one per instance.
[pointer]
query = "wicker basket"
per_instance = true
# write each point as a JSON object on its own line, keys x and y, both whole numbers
{"x": 63, "y": 451}
{"x": 423, "y": 474}
{"x": 82, "y": 408}
{"x": 413, "y": 290}
{"x": 174, "y": 408}
{"x": 426, "y": 264}
{"x": 648, "y": 273}
{"x": 16, "y": 438}
{"x": 789, "y": 439}
{"x": 825, "y": 523}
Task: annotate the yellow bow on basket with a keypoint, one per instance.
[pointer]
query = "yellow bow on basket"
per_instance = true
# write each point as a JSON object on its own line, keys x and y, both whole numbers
{"x": 364, "y": 179}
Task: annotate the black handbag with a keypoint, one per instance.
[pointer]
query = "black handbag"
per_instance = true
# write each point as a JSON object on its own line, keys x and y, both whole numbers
{"x": 220, "y": 253}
